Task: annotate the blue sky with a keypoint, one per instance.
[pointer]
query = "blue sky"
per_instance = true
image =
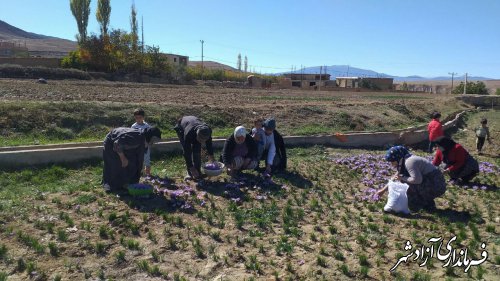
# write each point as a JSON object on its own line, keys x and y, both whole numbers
{"x": 399, "y": 37}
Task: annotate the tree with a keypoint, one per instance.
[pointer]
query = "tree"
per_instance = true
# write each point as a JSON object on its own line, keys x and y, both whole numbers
{"x": 478, "y": 88}
{"x": 81, "y": 11}
{"x": 246, "y": 64}
{"x": 238, "y": 64}
{"x": 134, "y": 28}
{"x": 497, "y": 92}
{"x": 103, "y": 14}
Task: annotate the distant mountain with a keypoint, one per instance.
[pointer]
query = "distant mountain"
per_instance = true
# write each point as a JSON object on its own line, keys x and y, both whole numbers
{"x": 212, "y": 65}
{"x": 345, "y": 70}
{"x": 37, "y": 44}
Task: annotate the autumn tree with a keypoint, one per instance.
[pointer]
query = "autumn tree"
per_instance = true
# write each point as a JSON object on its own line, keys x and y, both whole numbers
{"x": 81, "y": 11}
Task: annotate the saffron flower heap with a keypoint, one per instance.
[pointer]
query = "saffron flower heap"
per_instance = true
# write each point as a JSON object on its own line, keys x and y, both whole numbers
{"x": 375, "y": 172}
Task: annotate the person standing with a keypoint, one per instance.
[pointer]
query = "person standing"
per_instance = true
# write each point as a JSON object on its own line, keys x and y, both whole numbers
{"x": 193, "y": 134}
{"x": 141, "y": 124}
{"x": 482, "y": 134}
{"x": 435, "y": 129}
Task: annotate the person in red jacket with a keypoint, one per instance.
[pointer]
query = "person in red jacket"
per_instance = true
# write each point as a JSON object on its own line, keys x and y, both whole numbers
{"x": 460, "y": 165}
{"x": 435, "y": 130}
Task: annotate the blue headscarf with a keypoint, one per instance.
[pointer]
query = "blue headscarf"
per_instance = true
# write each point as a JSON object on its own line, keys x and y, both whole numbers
{"x": 397, "y": 153}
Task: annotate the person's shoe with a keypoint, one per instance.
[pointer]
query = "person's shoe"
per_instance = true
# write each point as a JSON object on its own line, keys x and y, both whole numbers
{"x": 188, "y": 178}
{"x": 106, "y": 187}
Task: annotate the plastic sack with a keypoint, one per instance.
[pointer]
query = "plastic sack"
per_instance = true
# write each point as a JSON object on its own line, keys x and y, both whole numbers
{"x": 397, "y": 201}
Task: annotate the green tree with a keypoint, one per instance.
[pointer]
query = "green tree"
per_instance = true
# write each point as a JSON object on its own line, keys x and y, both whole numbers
{"x": 239, "y": 62}
{"x": 103, "y": 13}
{"x": 478, "y": 88}
{"x": 497, "y": 92}
{"x": 81, "y": 11}
{"x": 404, "y": 87}
{"x": 134, "y": 28}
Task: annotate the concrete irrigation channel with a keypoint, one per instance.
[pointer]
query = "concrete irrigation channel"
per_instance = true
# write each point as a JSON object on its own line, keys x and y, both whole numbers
{"x": 25, "y": 156}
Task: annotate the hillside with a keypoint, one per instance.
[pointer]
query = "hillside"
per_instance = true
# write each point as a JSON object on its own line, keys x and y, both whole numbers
{"x": 37, "y": 44}
{"x": 212, "y": 65}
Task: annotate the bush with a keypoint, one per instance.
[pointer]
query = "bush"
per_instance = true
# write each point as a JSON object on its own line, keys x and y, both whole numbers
{"x": 478, "y": 88}
{"x": 35, "y": 72}
{"x": 497, "y": 92}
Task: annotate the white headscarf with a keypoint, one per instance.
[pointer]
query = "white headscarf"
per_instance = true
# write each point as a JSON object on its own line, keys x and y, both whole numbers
{"x": 240, "y": 131}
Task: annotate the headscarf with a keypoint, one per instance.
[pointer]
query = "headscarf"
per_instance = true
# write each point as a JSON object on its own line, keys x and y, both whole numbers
{"x": 151, "y": 132}
{"x": 270, "y": 123}
{"x": 203, "y": 133}
{"x": 397, "y": 153}
{"x": 446, "y": 143}
{"x": 239, "y": 131}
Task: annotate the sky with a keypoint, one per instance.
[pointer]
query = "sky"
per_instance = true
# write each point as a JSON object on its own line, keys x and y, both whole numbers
{"x": 399, "y": 37}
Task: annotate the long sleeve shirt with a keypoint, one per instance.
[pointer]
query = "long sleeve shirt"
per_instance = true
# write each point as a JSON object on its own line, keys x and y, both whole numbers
{"x": 271, "y": 148}
{"x": 435, "y": 130}
{"x": 189, "y": 125}
{"x": 455, "y": 159}
{"x": 417, "y": 167}
{"x": 227, "y": 155}
{"x": 126, "y": 139}
{"x": 147, "y": 153}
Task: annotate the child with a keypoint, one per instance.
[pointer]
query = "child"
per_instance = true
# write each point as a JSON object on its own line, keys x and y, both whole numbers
{"x": 435, "y": 130}
{"x": 482, "y": 133}
{"x": 141, "y": 124}
{"x": 259, "y": 137}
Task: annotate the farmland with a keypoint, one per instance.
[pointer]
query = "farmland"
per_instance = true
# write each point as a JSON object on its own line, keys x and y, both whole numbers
{"x": 73, "y": 111}
{"x": 312, "y": 222}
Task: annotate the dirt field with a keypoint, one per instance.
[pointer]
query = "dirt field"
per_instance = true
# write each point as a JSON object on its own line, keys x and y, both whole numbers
{"x": 64, "y": 111}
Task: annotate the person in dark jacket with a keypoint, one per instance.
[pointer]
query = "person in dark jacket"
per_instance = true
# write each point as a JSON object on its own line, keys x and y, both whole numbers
{"x": 239, "y": 152}
{"x": 460, "y": 165}
{"x": 193, "y": 134}
{"x": 274, "y": 148}
{"x": 123, "y": 155}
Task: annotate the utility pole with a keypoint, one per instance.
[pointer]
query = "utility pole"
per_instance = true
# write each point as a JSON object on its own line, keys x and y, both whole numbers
{"x": 465, "y": 86}
{"x": 452, "y": 75}
{"x": 142, "y": 34}
{"x": 301, "y": 75}
{"x": 202, "y": 70}
{"x": 320, "y": 72}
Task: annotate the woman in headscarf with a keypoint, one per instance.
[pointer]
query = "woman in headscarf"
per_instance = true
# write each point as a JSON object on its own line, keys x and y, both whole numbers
{"x": 460, "y": 165}
{"x": 193, "y": 134}
{"x": 425, "y": 181}
{"x": 239, "y": 152}
{"x": 123, "y": 155}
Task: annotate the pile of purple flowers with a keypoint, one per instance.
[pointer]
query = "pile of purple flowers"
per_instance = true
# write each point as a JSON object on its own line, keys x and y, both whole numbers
{"x": 180, "y": 194}
{"x": 488, "y": 168}
{"x": 374, "y": 169}
{"x": 233, "y": 191}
